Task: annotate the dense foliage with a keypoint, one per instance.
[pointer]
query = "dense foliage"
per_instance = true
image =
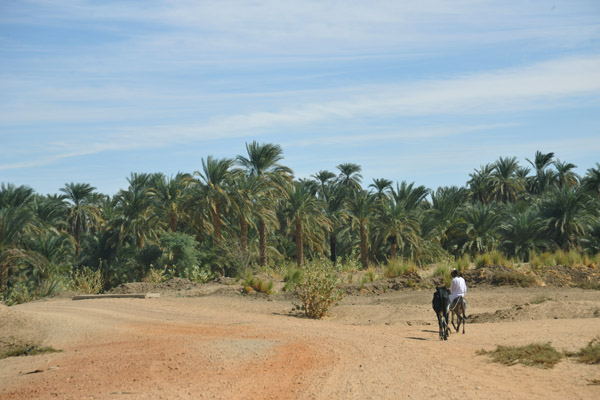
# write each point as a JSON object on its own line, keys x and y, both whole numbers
{"x": 239, "y": 214}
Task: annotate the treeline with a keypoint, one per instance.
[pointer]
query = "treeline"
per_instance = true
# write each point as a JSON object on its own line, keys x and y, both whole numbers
{"x": 248, "y": 212}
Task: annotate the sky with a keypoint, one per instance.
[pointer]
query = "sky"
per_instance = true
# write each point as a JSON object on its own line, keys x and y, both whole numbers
{"x": 420, "y": 91}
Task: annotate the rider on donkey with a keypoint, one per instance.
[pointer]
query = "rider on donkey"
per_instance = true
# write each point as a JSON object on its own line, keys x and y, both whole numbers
{"x": 458, "y": 287}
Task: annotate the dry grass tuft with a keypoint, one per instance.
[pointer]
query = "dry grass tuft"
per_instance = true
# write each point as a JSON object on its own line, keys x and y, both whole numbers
{"x": 533, "y": 355}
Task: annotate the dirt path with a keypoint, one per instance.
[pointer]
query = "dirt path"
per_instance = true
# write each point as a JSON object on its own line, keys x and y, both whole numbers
{"x": 234, "y": 347}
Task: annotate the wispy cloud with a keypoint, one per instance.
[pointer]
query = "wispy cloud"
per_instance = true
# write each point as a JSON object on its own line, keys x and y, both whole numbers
{"x": 538, "y": 86}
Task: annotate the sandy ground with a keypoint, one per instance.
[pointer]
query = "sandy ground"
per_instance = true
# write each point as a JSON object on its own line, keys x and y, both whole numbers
{"x": 229, "y": 346}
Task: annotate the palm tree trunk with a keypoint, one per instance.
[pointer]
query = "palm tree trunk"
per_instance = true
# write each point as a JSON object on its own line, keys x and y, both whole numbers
{"x": 262, "y": 238}
{"x": 217, "y": 222}
{"x": 363, "y": 247}
{"x": 393, "y": 248}
{"x": 244, "y": 234}
{"x": 3, "y": 276}
{"x": 173, "y": 223}
{"x": 332, "y": 245}
{"x": 299, "y": 244}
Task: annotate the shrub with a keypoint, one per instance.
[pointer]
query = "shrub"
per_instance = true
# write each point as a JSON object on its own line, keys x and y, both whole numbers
{"x": 317, "y": 290}
{"x": 533, "y": 355}
{"x": 86, "y": 280}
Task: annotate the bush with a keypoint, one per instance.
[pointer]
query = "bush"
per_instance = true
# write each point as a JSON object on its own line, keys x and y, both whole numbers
{"x": 317, "y": 290}
{"x": 87, "y": 281}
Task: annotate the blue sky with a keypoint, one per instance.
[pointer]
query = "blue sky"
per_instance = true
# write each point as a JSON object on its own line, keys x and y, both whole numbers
{"x": 423, "y": 91}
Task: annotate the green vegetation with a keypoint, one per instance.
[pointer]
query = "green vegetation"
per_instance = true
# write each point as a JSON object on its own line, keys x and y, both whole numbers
{"x": 249, "y": 215}
{"x": 317, "y": 290}
{"x": 86, "y": 281}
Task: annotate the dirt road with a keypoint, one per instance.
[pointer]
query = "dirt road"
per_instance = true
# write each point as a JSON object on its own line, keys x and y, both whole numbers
{"x": 238, "y": 347}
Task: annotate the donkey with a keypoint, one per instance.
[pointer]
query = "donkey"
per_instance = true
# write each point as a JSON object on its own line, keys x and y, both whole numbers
{"x": 459, "y": 308}
{"x": 441, "y": 306}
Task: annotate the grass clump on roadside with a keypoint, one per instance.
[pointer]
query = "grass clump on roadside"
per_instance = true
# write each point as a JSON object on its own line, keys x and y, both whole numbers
{"x": 317, "y": 290}
{"x": 492, "y": 258}
{"x": 514, "y": 278}
{"x": 252, "y": 284}
{"x": 533, "y": 355}
{"x": 291, "y": 279}
{"x": 399, "y": 267}
{"x": 589, "y": 354}
{"x": 20, "y": 349}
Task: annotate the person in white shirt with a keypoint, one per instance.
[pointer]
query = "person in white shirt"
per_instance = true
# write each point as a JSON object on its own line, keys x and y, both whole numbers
{"x": 458, "y": 287}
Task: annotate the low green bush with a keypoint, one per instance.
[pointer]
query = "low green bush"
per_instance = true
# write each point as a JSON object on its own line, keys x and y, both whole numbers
{"x": 317, "y": 290}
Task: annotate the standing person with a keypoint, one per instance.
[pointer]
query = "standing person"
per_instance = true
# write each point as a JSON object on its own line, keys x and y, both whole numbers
{"x": 458, "y": 287}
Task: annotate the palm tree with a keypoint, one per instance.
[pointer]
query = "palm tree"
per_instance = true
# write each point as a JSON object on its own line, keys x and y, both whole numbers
{"x": 170, "y": 195}
{"x": 51, "y": 211}
{"x": 216, "y": 176}
{"x": 441, "y": 219}
{"x": 400, "y": 217}
{"x": 15, "y": 196}
{"x": 568, "y": 215}
{"x": 591, "y": 181}
{"x": 305, "y": 215}
{"x": 350, "y": 176}
{"x": 381, "y": 187}
{"x": 133, "y": 218}
{"x": 543, "y": 177}
{"x": 263, "y": 162}
{"x": 360, "y": 212}
{"x": 506, "y": 187}
{"x": 14, "y": 222}
{"x": 522, "y": 232}
{"x": 479, "y": 225}
{"x": 83, "y": 212}
{"x": 480, "y": 184}
{"x": 245, "y": 191}
{"x": 564, "y": 174}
